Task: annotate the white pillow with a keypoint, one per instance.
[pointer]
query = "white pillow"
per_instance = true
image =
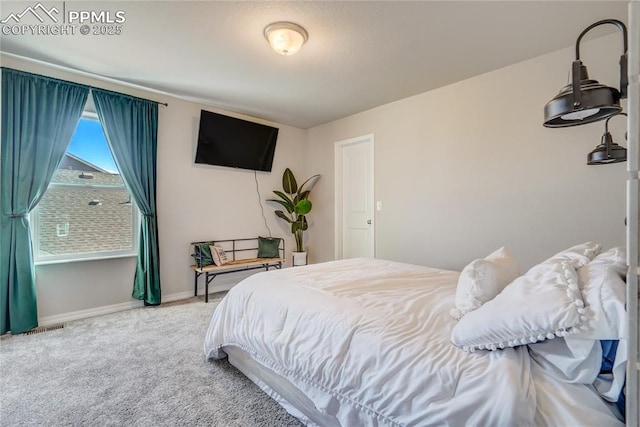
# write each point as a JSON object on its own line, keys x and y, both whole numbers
{"x": 482, "y": 280}
{"x": 579, "y": 255}
{"x": 604, "y": 292}
{"x": 218, "y": 255}
{"x": 543, "y": 303}
{"x": 615, "y": 258}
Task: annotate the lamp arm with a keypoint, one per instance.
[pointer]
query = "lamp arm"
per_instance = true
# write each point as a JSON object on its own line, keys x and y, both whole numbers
{"x": 615, "y": 22}
{"x": 624, "y": 79}
{"x": 606, "y": 123}
{"x": 576, "y": 77}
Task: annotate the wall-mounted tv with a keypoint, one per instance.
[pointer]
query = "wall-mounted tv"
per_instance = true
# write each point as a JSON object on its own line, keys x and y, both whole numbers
{"x": 236, "y": 143}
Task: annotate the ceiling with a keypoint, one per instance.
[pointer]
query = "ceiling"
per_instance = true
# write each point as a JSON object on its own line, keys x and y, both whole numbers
{"x": 360, "y": 54}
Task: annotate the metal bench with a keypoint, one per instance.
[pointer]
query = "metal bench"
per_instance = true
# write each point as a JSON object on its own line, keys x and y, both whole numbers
{"x": 243, "y": 256}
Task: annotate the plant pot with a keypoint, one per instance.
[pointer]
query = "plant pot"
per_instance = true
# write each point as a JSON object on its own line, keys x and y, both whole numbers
{"x": 299, "y": 258}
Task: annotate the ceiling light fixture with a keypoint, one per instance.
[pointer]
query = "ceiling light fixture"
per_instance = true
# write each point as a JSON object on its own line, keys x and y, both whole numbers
{"x": 286, "y": 38}
{"x": 607, "y": 151}
{"x": 583, "y": 100}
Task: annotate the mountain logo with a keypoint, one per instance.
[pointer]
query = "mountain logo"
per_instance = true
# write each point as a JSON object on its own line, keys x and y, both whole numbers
{"x": 38, "y": 11}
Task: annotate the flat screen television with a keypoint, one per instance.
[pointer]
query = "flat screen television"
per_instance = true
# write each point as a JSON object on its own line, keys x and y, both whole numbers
{"x": 236, "y": 143}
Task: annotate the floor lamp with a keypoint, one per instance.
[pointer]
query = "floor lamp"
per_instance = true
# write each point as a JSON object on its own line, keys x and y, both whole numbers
{"x": 633, "y": 213}
{"x": 584, "y": 101}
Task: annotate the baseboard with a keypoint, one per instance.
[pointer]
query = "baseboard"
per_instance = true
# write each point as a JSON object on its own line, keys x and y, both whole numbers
{"x": 114, "y": 308}
{"x": 189, "y": 294}
{"x": 91, "y": 312}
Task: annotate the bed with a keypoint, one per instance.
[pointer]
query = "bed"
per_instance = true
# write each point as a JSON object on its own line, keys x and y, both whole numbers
{"x": 369, "y": 342}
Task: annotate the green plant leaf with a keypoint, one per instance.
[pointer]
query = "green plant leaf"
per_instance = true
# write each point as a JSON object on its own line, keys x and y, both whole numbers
{"x": 286, "y": 201}
{"x": 303, "y": 207}
{"x": 294, "y": 227}
{"x": 283, "y": 196}
{"x": 286, "y": 205}
{"x": 304, "y": 224}
{"x": 289, "y": 184}
{"x": 281, "y": 214}
{"x": 303, "y": 195}
{"x": 314, "y": 177}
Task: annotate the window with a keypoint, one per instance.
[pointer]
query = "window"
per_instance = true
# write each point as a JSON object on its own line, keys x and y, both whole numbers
{"x": 86, "y": 212}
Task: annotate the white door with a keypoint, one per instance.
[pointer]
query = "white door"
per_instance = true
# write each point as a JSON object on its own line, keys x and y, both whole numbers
{"x": 354, "y": 213}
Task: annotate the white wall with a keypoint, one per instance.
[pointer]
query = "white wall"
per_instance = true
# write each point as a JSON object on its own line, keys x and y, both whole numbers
{"x": 200, "y": 202}
{"x": 194, "y": 202}
{"x": 467, "y": 168}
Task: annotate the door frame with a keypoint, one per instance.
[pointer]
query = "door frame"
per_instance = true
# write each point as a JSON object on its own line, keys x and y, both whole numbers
{"x": 338, "y": 190}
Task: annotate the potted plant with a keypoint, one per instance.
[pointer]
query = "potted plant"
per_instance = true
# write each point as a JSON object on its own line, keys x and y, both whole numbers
{"x": 295, "y": 200}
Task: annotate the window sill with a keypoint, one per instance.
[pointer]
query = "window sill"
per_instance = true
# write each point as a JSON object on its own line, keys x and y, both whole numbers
{"x": 96, "y": 258}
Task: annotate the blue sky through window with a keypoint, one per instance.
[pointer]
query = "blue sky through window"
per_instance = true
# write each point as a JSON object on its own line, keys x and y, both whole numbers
{"x": 90, "y": 144}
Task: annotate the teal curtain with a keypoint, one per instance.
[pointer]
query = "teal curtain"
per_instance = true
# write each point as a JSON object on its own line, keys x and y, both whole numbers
{"x": 39, "y": 116}
{"x": 131, "y": 127}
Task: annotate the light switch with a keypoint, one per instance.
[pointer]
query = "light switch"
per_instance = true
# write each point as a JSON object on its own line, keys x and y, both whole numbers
{"x": 379, "y": 205}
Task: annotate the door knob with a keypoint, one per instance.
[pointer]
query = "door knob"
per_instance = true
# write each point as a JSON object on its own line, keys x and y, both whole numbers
{"x": 369, "y": 221}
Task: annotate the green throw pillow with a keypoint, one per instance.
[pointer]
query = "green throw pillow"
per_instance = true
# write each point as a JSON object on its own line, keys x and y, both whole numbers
{"x": 203, "y": 254}
{"x": 268, "y": 247}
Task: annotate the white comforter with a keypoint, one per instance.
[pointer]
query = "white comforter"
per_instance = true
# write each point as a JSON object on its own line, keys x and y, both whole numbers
{"x": 376, "y": 335}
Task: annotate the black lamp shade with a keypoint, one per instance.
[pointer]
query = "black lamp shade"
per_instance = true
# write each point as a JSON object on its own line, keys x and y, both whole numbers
{"x": 598, "y": 102}
{"x": 584, "y": 100}
{"x": 607, "y": 152}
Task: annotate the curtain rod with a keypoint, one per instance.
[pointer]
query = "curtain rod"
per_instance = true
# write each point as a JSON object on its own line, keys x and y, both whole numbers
{"x": 91, "y": 75}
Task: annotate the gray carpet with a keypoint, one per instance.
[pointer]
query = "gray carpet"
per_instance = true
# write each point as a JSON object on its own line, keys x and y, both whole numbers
{"x": 142, "y": 367}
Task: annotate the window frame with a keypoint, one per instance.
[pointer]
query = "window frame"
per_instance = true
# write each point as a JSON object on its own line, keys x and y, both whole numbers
{"x": 84, "y": 256}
